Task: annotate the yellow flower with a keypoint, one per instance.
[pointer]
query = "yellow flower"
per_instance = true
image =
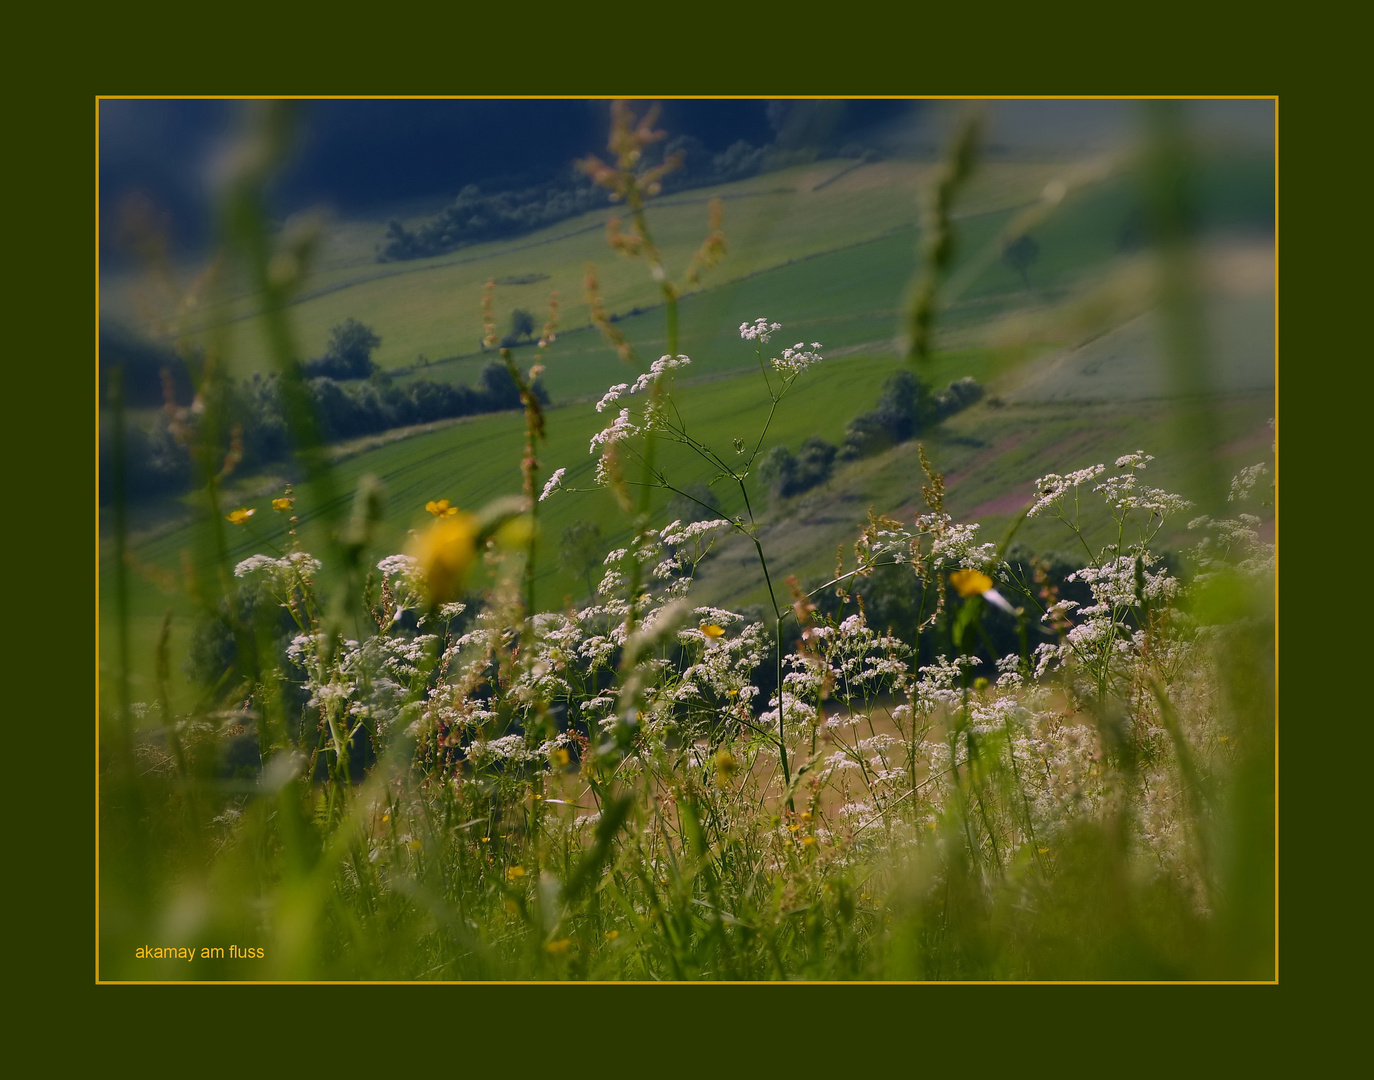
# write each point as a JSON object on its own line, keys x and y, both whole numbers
{"x": 976, "y": 583}
{"x": 808, "y": 841}
{"x": 1043, "y": 851}
{"x": 441, "y": 508}
{"x": 282, "y": 505}
{"x": 445, "y": 552}
{"x": 725, "y": 762}
{"x": 238, "y": 517}
{"x": 711, "y": 630}
{"x": 611, "y": 935}
{"x": 514, "y": 872}
{"x": 558, "y": 948}
{"x": 970, "y": 582}
{"x": 560, "y": 756}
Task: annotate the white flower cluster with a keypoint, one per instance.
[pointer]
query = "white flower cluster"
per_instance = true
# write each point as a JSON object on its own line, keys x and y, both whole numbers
{"x": 758, "y": 330}
{"x": 612, "y": 395}
{"x": 678, "y": 534}
{"x": 899, "y": 739}
{"x": 1134, "y": 461}
{"x": 399, "y": 566}
{"x": 406, "y": 581}
{"x": 797, "y": 359}
{"x": 1235, "y": 544}
{"x": 658, "y": 368}
{"x": 940, "y": 682}
{"x": 280, "y": 575}
{"x": 1124, "y": 582}
{"x": 956, "y": 545}
{"x": 1243, "y": 483}
{"x": 1123, "y": 493}
{"x": 555, "y": 482}
{"x": 621, "y": 428}
{"x": 1052, "y": 488}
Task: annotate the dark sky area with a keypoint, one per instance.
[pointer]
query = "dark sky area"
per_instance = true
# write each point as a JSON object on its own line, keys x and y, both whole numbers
{"x": 356, "y": 155}
{"x": 365, "y": 155}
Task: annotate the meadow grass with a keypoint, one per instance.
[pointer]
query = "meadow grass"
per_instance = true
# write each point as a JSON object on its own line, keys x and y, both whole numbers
{"x": 533, "y": 790}
{"x": 431, "y": 306}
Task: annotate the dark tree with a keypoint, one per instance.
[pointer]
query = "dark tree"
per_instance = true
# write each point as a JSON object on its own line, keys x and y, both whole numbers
{"x": 1021, "y": 254}
{"x": 790, "y": 474}
{"x": 521, "y": 324}
{"x": 348, "y": 354}
{"x": 352, "y": 342}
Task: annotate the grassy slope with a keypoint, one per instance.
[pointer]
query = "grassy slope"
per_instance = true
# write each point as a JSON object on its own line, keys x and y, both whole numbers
{"x": 432, "y": 306}
{"x": 848, "y": 298}
{"x": 478, "y": 460}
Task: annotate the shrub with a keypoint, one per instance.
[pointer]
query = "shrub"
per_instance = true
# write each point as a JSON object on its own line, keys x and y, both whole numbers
{"x": 904, "y": 409}
{"x": 789, "y": 474}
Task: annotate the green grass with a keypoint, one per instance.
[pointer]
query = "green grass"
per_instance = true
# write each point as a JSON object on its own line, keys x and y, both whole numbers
{"x": 990, "y": 458}
{"x": 472, "y": 462}
{"x": 1142, "y": 853}
{"x": 848, "y": 297}
{"x": 432, "y": 306}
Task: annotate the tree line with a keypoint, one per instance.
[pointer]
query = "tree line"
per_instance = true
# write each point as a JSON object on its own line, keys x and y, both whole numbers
{"x": 475, "y": 216}
{"x": 346, "y": 391}
{"x": 905, "y": 408}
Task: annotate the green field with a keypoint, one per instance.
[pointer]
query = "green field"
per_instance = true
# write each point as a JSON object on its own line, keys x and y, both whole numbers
{"x": 646, "y": 791}
{"x": 432, "y": 306}
{"x": 833, "y": 265}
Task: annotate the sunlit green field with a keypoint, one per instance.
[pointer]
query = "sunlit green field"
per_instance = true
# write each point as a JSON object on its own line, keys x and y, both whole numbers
{"x": 832, "y": 265}
{"x": 658, "y": 778}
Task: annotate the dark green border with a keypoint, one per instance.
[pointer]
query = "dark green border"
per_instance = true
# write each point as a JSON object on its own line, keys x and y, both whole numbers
{"x": 714, "y": 52}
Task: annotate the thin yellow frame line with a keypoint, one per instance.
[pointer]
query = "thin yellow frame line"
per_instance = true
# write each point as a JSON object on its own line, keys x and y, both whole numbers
{"x": 688, "y": 97}
{"x": 699, "y": 97}
{"x": 97, "y": 541}
{"x": 1276, "y": 540}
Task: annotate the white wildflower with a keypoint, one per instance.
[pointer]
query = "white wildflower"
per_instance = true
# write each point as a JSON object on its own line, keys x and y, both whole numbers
{"x": 621, "y": 428}
{"x": 555, "y": 481}
{"x": 797, "y": 359}
{"x": 658, "y": 368}
{"x": 1134, "y": 461}
{"x": 1244, "y": 482}
{"x": 613, "y": 394}
{"x": 758, "y": 330}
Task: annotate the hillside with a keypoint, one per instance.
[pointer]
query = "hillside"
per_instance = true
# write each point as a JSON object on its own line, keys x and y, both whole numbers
{"x": 832, "y": 262}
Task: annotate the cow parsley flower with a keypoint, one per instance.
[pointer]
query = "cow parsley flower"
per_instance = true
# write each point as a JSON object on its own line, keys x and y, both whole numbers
{"x": 758, "y": 330}
{"x": 613, "y": 394}
{"x": 1134, "y": 461}
{"x": 1244, "y": 482}
{"x": 659, "y": 367}
{"x": 621, "y": 428}
{"x": 1052, "y": 489}
{"x": 555, "y": 482}
{"x": 798, "y": 358}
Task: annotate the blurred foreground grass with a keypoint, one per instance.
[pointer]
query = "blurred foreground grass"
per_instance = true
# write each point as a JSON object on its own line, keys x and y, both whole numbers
{"x": 589, "y": 795}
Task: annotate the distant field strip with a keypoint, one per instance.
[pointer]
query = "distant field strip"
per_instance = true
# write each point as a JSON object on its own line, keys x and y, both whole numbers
{"x": 432, "y": 308}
